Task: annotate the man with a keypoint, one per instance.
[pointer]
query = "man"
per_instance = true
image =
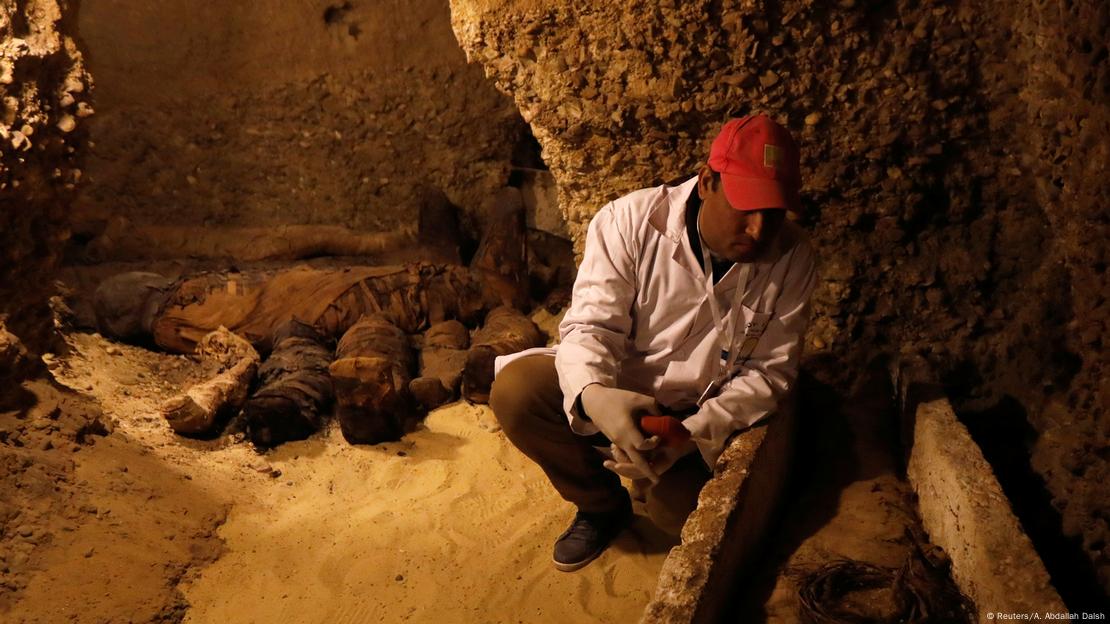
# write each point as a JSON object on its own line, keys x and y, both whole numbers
{"x": 691, "y": 300}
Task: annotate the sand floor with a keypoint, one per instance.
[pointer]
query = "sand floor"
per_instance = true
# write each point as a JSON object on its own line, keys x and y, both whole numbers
{"x": 452, "y": 524}
{"x": 449, "y": 525}
{"x": 847, "y": 500}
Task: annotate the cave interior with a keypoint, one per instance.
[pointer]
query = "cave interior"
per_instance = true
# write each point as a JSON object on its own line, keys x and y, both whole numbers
{"x": 231, "y": 232}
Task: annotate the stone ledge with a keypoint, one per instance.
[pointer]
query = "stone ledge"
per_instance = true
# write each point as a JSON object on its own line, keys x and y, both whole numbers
{"x": 722, "y": 535}
{"x": 963, "y": 508}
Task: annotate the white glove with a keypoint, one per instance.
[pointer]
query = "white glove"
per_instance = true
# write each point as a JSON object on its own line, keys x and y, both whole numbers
{"x": 615, "y": 412}
{"x": 660, "y": 459}
{"x": 622, "y": 465}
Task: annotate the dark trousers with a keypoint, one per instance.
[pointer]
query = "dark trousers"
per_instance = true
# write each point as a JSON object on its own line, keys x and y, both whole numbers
{"x": 527, "y": 401}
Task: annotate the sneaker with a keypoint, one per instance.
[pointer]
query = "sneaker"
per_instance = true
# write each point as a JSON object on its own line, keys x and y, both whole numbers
{"x": 588, "y": 536}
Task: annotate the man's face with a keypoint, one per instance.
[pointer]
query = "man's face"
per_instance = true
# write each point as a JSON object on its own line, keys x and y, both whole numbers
{"x": 736, "y": 235}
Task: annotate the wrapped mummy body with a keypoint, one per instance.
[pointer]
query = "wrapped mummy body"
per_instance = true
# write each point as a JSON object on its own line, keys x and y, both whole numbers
{"x": 295, "y": 392}
{"x": 442, "y": 359}
{"x": 505, "y": 331}
{"x": 371, "y": 375}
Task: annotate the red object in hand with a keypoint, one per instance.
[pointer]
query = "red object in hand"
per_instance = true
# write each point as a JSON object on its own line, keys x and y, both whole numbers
{"x": 668, "y": 428}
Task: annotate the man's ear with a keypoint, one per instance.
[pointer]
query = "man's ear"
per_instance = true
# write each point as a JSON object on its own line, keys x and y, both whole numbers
{"x": 705, "y": 181}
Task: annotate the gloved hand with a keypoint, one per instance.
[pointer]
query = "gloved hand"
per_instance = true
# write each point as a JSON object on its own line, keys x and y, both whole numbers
{"x": 622, "y": 464}
{"x": 615, "y": 412}
{"x": 660, "y": 458}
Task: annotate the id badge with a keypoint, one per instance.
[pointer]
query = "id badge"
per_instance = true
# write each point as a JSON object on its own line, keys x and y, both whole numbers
{"x": 757, "y": 325}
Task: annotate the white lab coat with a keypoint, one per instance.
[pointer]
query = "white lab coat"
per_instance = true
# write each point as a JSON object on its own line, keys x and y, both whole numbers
{"x": 640, "y": 318}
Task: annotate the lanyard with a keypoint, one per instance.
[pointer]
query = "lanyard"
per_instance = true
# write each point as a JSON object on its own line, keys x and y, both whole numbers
{"x": 727, "y": 343}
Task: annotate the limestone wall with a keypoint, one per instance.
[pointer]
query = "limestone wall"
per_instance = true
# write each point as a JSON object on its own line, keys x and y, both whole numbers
{"x": 953, "y": 158}
{"x": 44, "y": 92}
{"x": 1060, "y": 51}
{"x": 274, "y": 112}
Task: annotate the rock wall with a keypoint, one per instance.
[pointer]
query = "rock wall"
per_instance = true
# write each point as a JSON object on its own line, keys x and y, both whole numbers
{"x": 1060, "y": 54}
{"x": 953, "y": 159}
{"x": 275, "y": 112}
{"x": 44, "y": 92}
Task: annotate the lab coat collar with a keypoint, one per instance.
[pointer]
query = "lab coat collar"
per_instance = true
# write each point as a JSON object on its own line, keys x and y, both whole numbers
{"x": 669, "y": 219}
{"x": 676, "y": 206}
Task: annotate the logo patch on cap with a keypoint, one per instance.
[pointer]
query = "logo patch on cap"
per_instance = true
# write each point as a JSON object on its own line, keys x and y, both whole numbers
{"x": 772, "y": 155}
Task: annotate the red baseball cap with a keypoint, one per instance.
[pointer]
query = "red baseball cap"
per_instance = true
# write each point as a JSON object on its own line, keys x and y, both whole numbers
{"x": 758, "y": 163}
